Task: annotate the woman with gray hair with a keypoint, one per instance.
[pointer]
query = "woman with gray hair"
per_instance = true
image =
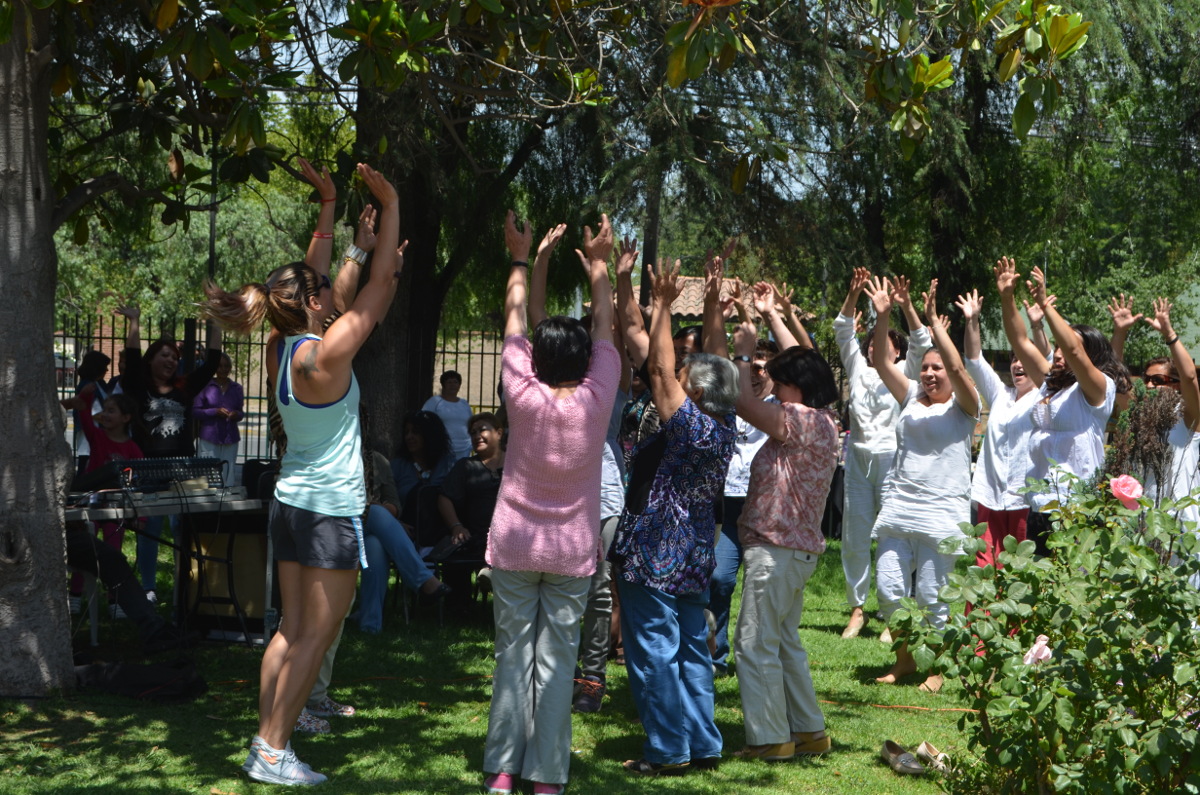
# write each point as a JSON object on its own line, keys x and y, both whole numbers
{"x": 665, "y": 546}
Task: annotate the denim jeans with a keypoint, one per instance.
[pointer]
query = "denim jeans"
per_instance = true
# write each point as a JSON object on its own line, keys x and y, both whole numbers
{"x": 385, "y": 539}
{"x": 670, "y": 673}
{"x": 724, "y": 579}
{"x": 147, "y": 548}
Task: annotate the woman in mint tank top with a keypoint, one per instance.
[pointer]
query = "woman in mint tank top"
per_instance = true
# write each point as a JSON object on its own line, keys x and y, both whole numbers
{"x": 315, "y": 520}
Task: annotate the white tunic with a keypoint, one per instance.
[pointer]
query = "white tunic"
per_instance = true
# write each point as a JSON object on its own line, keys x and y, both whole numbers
{"x": 928, "y": 488}
{"x": 1067, "y": 438}
{"x": 1000, "y": 470}
{"x": 1184, "y": 475}
{"x": 749, "y": 441}
{"x": 873, "y": 410}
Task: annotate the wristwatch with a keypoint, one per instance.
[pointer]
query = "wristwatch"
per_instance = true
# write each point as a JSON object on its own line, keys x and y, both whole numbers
{"x": 743, "y": 358}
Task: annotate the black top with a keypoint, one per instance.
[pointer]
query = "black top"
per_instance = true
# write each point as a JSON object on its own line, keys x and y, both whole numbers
{"x": 164, "y": 421}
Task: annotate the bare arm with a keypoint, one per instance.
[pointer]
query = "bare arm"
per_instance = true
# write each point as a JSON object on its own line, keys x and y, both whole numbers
{"x": 901, "y": 288}
{"x": 714, "y": 320}
{"x": 1035, "y": 364}
{"x": 594, "y": 257}
{"x": 1121, "y": 310}
{"x": 893, "y": 377}
{"x": 783, "y": 300}
{"x": 1091, "y": 381}
{"x": 133, "y": 335}
{"x": 458, "y": 531}
{"x": 320, "y": 247}
{"x": 1037, "y": 327}
{"x": 346, "y": 286}
{"x": 964, "y": 389}
{"x": 633, "y": 329}
{"x": 668, "y": 394}
{"x": 764, "y": 302}
{"x": 515, "y": 294}
{"x": 858, "y": 282}
{"x": 765, "y": 415}
{"x": 971, "y": 305}
{"x": 1185, "y": 368}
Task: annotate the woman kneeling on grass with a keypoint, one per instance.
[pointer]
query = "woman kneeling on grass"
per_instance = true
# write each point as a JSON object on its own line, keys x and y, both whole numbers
{"x": 315, "y": 519}
{"x": 927, "y": 493}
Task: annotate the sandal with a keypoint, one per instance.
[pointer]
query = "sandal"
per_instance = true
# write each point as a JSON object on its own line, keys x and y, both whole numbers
{"x": 643, "y": 767}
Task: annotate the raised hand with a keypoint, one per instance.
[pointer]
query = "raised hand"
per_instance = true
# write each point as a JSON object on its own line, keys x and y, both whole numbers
{"x": 130, "y": 311}
{"x": 1121, "y": 309}
{"x": 378, "y": 185}
{"x": 734, "y": 303}
{"x": 1035, "y": 313}
{"x": 745, "y": 338}
{"x": 627, "y": 257}
{"x": 664, "y": 284}
{"x": 364, "y": 235}
{"x": 881, "y": 297}
{"x": 901, "y": 288}
{"x": 930, "y": 301}
{"x": 400, "y": 257}
{"x": 764, "y": 298}
{"x": 783, "y": 297}
{"x": 1006, "y": 275}
{"x": 518, "y": 241}
{"x": 600, "y": 246}
{"x": 859, "y": 280}
{"x": 321, "y": 181}
{"x": 1037, "y": 287}
{"x": 971, "y": 305}
{"x": 1161, "y": 321}
{"x": 858, "y": 325}
{"x": 550, "y": 241}
{"x": 714, "y": 272}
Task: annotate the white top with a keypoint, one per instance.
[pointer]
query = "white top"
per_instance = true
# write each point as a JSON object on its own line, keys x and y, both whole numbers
{"x": 873, "y": 410}
{"x": 1184, "y": 475}
{"x": 1000, "y": 470}
{"x": 454, "y": 414}
{"x": 929, "y": 485}
{"x": 1067, "y": 438}
{"x": 749, "y": 440}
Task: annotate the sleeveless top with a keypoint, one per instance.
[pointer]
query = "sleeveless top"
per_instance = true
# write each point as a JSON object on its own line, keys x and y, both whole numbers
{"x": 322, "y": 468}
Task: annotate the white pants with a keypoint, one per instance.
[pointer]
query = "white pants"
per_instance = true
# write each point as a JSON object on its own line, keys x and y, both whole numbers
{"x": 899, "y": 556}
{"x": 777, "y": 690}
{"x": 862, "y": 486}
{"x": 537, "y": 639}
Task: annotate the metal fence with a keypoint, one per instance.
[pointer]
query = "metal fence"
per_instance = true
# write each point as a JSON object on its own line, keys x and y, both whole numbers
{"x": 474, "y": 354}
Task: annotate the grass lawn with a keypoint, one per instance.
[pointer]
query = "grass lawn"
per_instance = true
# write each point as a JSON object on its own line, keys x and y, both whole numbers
{"x": 422, "y": 694}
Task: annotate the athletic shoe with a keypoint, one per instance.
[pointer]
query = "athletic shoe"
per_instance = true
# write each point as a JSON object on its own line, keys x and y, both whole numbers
{"x": 549, "y": 789}
{"x": 483, "y": 580}
{"x": 151, "y": 597}
{"x": 328, "y": 708}
{"x": 271, "y": 766}
{"x": 499, "y": 784}
{"x": 311, "y": 724}
{"x": 73, "y": 603}
{"x": 590, "y": 694}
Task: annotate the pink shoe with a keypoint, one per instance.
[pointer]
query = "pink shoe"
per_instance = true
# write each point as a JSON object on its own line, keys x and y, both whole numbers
{"x": 499, "y": 784}
{"x": 548, "y": 789}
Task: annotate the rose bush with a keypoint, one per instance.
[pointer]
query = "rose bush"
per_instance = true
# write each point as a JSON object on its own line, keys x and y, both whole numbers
{"x": 1114, "y": 704}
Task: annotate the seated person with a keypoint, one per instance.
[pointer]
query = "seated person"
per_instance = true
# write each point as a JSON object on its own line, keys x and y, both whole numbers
{"x": 467, "y": 500}
{"x": 386, "y": 539}
{"x": 424, "y": 460}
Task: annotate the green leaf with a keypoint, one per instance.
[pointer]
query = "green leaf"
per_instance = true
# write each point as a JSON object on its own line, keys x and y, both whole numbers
{"x": 1073, "y": 40}
{"x": 677, "y": 65}
{"x": 741, "y": 175}
{"x": 1033, "y": 41}
{"x": 907, "y": 147}
{"x": 221, "y": 46}
{"x": 923, "y": 656}
{"x": 1008, "y": 67}
{"x": 697, "y": 58}
{"x": 80, "y": 235}
{"x": 492, "y": 6}
{"x": 1023, "y": 116}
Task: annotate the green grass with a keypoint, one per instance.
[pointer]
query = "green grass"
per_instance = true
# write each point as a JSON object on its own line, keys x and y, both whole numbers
{"x": 422, "y": 695}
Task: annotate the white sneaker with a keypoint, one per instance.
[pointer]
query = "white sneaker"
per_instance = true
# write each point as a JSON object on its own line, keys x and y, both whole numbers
{"x": 73, "y": 604}
{"x": 271, "y": 766}
{"x": 152, "y": 597}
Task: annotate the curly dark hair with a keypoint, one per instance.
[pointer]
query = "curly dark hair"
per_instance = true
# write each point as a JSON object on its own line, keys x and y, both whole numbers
{"x": 432, "y": 431}
{"x": 1100, "y": 353}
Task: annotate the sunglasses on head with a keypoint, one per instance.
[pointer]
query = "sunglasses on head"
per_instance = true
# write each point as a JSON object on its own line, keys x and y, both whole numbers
{"x": 325, "y": 283}
{"x": 1161, "y": 380}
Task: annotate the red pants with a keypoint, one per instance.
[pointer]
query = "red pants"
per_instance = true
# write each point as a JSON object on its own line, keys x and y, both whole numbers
{"x": 1000, "y": 525}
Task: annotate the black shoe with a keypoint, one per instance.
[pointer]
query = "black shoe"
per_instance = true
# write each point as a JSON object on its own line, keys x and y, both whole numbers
{"x": 707, "y": 763}
{"x": 643, "y": 767}
{"x": 590, "y": 694}
{"x": 441, "y": 593}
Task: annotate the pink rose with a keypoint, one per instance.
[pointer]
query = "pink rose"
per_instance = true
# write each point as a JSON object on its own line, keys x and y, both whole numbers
{"x": 1126, "y": 489}
{"x": 1039, "y": 651}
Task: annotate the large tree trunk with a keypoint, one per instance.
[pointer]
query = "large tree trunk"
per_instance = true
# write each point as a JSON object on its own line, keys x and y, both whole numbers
{"x": 35, "y": 648}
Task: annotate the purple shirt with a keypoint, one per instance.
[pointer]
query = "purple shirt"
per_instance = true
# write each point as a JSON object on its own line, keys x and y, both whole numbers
{"x": 215, "y": 429}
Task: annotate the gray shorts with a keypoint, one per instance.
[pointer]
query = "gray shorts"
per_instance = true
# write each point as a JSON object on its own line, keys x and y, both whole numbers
{"x": 314, "y": 539}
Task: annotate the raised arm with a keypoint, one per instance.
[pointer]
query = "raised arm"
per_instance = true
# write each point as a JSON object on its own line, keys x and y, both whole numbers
{"x": 350, "y": 331}
{"x": 714, "y": 318}
{"x": 320, "y": 248}
{"x": 1185, "y": 368}
{"x": 971, "y": 305}
{"x": 1035, "y": 364}
{"x": 594, "y": 257}
{"x": 629, "y": 313}
{"x": 783, "y": 300}
{"x": 665, "y": 388}
{"x": 766, "y": 415}
{"x": 355, "y": 258}
{"x": 515, "y": 294}
{"x": 858, "y": 282}
{"x": 1121, "y": 309}
{"x": 764, "y": 302}
{"x": 1089, "y": 377}
{"x": 964, "y": 389}
{"x": 893, "y": 377}
{"x": 1037, "y": 327}
{"x": 901, "y": 288}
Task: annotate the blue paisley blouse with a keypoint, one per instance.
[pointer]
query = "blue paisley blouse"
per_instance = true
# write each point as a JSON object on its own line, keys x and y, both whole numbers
{"x": 667, "y": 534}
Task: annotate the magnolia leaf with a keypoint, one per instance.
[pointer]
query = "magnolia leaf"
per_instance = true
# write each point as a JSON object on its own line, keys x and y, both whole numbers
{"x": 741, "y": 174}
{"x": 1009, "y": 66}
{"x": 1033, "y": 40}
{"x": 677, "y": 65}
{"x": 1023, "y": 116}
{"x": 82, "y": 231}
{"x": 168, "y": 12}
{"x": 1073, "y": 39}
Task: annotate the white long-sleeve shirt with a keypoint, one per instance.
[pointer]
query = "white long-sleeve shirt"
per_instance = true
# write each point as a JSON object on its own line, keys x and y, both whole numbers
{"x": 1004, "y": 459}
{"x": 873, "y": 410}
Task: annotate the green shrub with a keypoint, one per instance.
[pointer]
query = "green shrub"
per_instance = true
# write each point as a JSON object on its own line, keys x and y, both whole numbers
{"x": 1116, "y": 707}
